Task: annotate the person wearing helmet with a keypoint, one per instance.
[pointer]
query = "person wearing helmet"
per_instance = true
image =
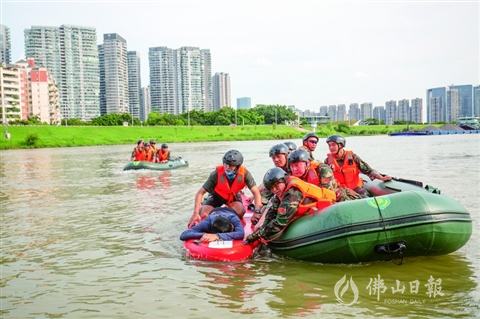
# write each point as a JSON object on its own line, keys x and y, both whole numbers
{"x": 138, "y": 153}
{"x": 153, "y": 146}
{"x": 224, "y": 186}
{"x": 309, "y": 142}
{"x": 317, "y": 173}
{"x": 163, "y": 154}
{"x": 278, "y": 153}
{"x": 293, "y": 198}
{"x": 347, "y": 166}
{"x": 291, "y": 146}
{"x": 149, "y": 155}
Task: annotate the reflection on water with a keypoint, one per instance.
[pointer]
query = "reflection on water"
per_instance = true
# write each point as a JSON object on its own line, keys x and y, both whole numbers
{"x": 81, "y": 238}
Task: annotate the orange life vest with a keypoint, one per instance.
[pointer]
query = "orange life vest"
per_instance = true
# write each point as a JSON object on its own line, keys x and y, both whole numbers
{"x": 312, "y": 174}
{"x": 223, "y": 187}
{"x": 139, "y": 155}
{"x": 149, "y": 156}
{"x": 348, "y": 175}
{"x": 162, "y": 156}
{"x": 316, "y": 197}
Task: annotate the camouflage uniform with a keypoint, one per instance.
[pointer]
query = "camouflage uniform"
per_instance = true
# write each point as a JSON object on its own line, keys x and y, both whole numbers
{"x": 266, "y": 194}
{"x": 328, "y": 181}
{"x": 362, "y": 167}
{"x": 278, "y": 215}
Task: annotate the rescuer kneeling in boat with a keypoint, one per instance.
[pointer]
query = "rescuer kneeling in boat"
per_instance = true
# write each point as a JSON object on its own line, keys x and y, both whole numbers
{"x": 293, "y": 198}
{"x": 224, "y": 186}
{"x": 223, "y": 223}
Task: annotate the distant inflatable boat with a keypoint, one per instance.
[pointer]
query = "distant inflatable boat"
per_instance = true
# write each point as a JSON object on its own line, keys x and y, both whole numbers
{"x": 171, "y": 164}
{"x": 401, "y": 220}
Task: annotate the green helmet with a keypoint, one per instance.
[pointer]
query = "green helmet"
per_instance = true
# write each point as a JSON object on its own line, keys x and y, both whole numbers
{"x": 273, "y": 176}
{"x": 300, "y": 155}
{"x": 339, "y": 139}
{"x": 279, "y": 149}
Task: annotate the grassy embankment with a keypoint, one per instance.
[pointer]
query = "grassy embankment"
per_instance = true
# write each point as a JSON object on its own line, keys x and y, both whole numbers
{"x": 61, "y": 136}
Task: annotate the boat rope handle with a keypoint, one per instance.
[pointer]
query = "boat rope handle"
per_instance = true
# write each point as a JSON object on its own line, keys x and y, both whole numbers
{"x": 399, "y": 251}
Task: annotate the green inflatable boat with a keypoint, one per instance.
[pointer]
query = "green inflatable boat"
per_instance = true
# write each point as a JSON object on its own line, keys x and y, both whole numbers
{"x": 171, "y": 164}
{"x": 401, "y": 219}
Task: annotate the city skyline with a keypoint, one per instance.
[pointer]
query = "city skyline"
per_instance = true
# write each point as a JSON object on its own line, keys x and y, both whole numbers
{"x": 306, "y": 54}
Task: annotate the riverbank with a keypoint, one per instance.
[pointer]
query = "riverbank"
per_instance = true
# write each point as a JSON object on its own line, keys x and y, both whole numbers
{"x": 70, "y": 136}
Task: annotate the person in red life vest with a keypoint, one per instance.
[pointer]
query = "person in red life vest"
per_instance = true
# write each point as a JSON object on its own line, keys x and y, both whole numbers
{"x": 309, "y": 142}
{"x": 163, "y": 154}
{"x": 278, "y": 153}
{"x": 293, "y": 198}
{"x": 318, "y": 174}
{"x": 138, "y": 153}
{"x": 224, "y": 186}
{"x": 347, "y": 166}
{"x": 149, "y": 155}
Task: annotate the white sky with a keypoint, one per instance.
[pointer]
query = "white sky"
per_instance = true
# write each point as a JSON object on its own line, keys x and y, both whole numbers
{"x": 302, "y": 53}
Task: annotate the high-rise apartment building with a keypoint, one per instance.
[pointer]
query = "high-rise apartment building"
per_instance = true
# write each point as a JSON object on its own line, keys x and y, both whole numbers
{"x": 244, "y": 103}
{"x": 353, "y": 112}
{"x": 180, "y": 80}
{"x": 10, "y": 94}
{"x": 379, "y": 114}
{"x": 403, "y": 111}
{"x": 436, "y": 104}
{"x": 416, "y": 111}
{"x": 134, "y": 84}
{"x": 341, "y": 112}
{"x": 459, "y": 102}
{"x": 323, "y": 110}
{"x": 390, "y": 112}
{"x": 146, "y": 107}
{"x": 366, "y": 111}
{"x": 476, "y": 101}
{"x": 114, "y": 96}
{"x": 332, "y": 112}
{"x": 70, "y": 54}
{"x": 5, "y": 45}
{"x": 221, "y": 90}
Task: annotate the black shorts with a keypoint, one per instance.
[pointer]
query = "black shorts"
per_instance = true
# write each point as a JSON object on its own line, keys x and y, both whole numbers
{"x": 215, "y": 200}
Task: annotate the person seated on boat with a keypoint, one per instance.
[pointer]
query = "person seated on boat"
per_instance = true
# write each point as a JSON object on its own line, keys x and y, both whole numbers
{"x": 291, "y": 146}
{"x": 309, "y": 142}
{"x": 163, "y": 154}
{"x": 317, "y": 173}
{"x": 278, "y": 153}
{"x": 347, "y": 166}
{"x": 223, "y": 223}
{"x": 224, "y": 186}
{"x": 138, "y": 153}
{"x": 153, "y": 146}
{"x": 149, "y": 155}
{"x": 293, "y": 198}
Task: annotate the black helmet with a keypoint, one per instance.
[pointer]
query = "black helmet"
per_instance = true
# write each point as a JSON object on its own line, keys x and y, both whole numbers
{"x": 291, "y": 146}
{"x": 279, "y": 149}
{"x": 300, "y": 155}
{"x": 339, "y": 139}
{"x": 233, "y": 157}
{"x": 164, "y": 145}
{"x": 152, "y": 141}
{"x": 307, "y": 136}
{"x": 139, "y": 142}
{"x": 146, "y": 144}
{"x": 273, "y": 176}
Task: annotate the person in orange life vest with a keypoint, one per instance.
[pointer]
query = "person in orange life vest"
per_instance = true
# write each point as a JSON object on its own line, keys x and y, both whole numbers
{"x": 138, "y": 153}
{"x": 347, "y": 166}
{"x": 318, "y": 174}
{"x": 278, "y": 153}
{"x": 163, "y": 154}
{"x": 309, "y": 142}
{"x": 153, "y": 146}
{"x": 224, "y": 186}
{"x": 149, "y": 155}
{"x": 293, "y": 198}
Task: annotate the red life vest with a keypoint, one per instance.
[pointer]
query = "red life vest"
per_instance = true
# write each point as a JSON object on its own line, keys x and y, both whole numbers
{"x": 139, "y": 155}
{"x": 314, "y": 197}
{"x": 162, "y": 156}
{"x": 348, "y": 175}
{"x": 312, "y": 174}
{"x": 223, "y": 187}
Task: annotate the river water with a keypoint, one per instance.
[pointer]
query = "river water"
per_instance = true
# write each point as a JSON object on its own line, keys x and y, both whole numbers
{"x": 81, "y": 238}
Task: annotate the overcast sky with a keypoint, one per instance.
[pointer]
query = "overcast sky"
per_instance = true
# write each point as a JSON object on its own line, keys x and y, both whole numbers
{"x": 302, "y": 53}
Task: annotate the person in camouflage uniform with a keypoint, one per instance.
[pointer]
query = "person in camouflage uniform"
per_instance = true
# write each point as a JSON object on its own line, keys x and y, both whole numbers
{"x": 347, "y": 166}
{"x": 309, "y": 143}
{"x": 293, "y": 198}
{"x": 317, "y": 173}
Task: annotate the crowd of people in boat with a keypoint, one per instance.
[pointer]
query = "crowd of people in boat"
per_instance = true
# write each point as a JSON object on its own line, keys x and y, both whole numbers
{"x": 297, "y": 185}
{"x": 148, "y": 152}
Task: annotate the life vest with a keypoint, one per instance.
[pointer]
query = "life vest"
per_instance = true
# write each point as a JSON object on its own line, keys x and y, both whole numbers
{"x": 312, "y": 174}
{"x": 308, "y": 150}
{"x": 348, "y": 175}
{"x": 149, "y": 156}
{"x": 139, "y": 155}
{"x": 223, "y": 187}
{"x": 314, "y": 197}
{"x": 162, "y": 156}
